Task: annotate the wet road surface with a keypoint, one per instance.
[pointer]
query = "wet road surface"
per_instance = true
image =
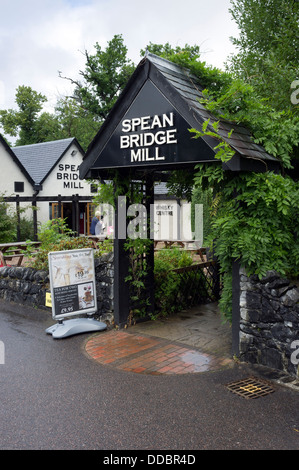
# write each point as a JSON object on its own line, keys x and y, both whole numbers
{"x": 54, "y": 395}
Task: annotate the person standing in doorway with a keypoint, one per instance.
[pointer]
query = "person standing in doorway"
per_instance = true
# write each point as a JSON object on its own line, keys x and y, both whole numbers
{"x": 95, "y": 221}
{"x": 98, "y": 228}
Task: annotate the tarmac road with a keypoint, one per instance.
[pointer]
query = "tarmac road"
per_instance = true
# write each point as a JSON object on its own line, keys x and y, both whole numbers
{"x": 53, "y": 396}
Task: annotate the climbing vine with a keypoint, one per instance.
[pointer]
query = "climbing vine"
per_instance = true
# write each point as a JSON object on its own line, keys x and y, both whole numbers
{"x": 256, "y": 223}
{"x": 254, "y": 217}
{"x": 137, "y": 245}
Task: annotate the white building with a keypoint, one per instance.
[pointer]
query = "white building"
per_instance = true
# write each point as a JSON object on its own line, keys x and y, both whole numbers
{"x": 172, "y": 216}
{"x": 50, "y": 170}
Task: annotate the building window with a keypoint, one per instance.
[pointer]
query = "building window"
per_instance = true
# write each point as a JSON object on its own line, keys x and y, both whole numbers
{"x": 19, "y": 187}
{"x": 93, "y": 188}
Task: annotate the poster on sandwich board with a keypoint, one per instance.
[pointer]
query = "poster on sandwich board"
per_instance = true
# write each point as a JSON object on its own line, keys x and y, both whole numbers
{"x": 72, "y": 283}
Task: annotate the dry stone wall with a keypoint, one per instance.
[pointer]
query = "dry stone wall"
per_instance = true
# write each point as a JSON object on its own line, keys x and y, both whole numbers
{"x": 27, "y": 286}
{"x": 269, "y": 322}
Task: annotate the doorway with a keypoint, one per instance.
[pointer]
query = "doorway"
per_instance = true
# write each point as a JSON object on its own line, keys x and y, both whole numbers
{"x": 77, "y": 216}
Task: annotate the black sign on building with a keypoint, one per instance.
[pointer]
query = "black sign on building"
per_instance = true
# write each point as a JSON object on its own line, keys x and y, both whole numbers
{"x": 147, "y": 132}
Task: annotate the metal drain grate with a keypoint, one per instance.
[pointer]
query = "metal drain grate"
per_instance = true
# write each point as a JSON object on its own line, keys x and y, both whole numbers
{"x": 250, "y": 388}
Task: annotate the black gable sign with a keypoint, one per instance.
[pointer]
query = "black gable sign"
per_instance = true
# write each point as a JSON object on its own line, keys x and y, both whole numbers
{"x": 152, "y": 133}
{"x": 148, "y": 127}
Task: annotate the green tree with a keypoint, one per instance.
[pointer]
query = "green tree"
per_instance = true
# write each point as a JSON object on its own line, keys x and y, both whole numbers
{"x": 168, "y": 52}
{"x": 104, "y": 77}
{"x": 75, "y": 121}
{"x": 30, "y": 125}
{"x": 7, "y": 222}
{"x": 255, "y": 216}
{"x": 27, "y": 123}
{"x": 268, "y": 52}
{"x": 190, "y": 57}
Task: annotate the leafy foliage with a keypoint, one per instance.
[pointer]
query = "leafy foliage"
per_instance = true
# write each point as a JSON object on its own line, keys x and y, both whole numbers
{"x": 104, "y": 77}
{"x": 257, "y": 223}
{"x": 80, "y": 115}
{"x": 7, "y": 223}
{"x": 75, "y": 121}
{"x": 26, "y": 229}
{"x": 26, "y": 122}
{"x": 253, "y": 217}
{"x": 267, "y": 47}
{"x": 276, "y": 130}
{"x": 56, "y": 236}
{"x": 52, "y": 232}
{"x": 137, "y": 277}
{"x": 167, "y": 282}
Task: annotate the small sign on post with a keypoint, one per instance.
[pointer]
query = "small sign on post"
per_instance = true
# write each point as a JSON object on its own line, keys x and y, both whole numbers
{"x": 73, "y": 292}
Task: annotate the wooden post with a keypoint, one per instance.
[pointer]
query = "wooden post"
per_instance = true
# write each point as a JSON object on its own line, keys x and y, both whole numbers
{"x": 77, "y": 215}
{"x": 34, "y": 214}
{"x": 18, "y": 218}
{"x": 149, "y": 203}
{"x": 121, "y": 265}
{"x": 59, "y": 206}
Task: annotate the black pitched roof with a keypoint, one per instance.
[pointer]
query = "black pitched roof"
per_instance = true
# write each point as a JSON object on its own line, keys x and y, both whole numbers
{"x": 40, "y": 159}
{"x": 190, "y": 89}
{"x": 182, "y": 90}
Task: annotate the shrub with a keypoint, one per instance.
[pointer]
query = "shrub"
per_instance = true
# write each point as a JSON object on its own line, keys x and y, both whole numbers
{"x": 7, "y": 223}
{"x": 167, "y": 282}
{"x": 26, "y": 230}
{"x": 40, "y": 260}
{"x": 54, "y": 235}
{"x": 52, "y": 232}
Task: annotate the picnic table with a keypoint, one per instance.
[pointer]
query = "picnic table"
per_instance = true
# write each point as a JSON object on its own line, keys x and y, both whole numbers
{"x": 9, "y": 251}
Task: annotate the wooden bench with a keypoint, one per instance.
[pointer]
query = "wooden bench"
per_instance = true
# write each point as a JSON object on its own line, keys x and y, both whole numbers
{"x": 6, "y": 258}
{"x": 10, "y": 251}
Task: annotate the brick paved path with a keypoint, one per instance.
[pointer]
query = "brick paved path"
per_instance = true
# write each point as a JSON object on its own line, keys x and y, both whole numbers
{"x": 148, "y": 355}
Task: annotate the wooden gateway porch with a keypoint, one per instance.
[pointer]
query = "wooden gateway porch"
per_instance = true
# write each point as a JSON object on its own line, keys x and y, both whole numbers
{"x": 143, "y": 140}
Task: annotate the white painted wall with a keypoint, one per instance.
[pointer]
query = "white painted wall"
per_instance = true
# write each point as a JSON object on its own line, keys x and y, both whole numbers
{"x": 172, "y": 221}
{"x": 63, "y": 180}
{"x": 10, "y": 172}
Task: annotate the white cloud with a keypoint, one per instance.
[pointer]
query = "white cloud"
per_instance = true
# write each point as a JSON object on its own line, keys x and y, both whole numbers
{"x": 38, "y": 38}
{"x": 2, "y": 94}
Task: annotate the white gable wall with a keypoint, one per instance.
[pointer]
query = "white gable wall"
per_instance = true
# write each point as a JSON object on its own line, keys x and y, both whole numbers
{"x": 10, "y": 172}
{"x": 63, "y": 180}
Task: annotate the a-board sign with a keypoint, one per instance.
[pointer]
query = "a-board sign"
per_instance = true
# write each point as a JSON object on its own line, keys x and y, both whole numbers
{"x": 72, "y": 282}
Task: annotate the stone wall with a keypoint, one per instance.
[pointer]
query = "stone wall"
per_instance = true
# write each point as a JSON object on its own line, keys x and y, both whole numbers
{"x": 104, "y": 274}
{"x": 27, "y": 286}
{"x": 269, "y": 322}
{"x": 24, "y": 285}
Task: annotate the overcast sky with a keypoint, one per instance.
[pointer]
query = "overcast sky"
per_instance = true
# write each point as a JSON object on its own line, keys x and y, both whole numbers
{"x": 40, "y": 37}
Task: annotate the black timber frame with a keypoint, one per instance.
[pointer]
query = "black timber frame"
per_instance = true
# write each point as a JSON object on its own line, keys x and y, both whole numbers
{"x": 75, "y": 199}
